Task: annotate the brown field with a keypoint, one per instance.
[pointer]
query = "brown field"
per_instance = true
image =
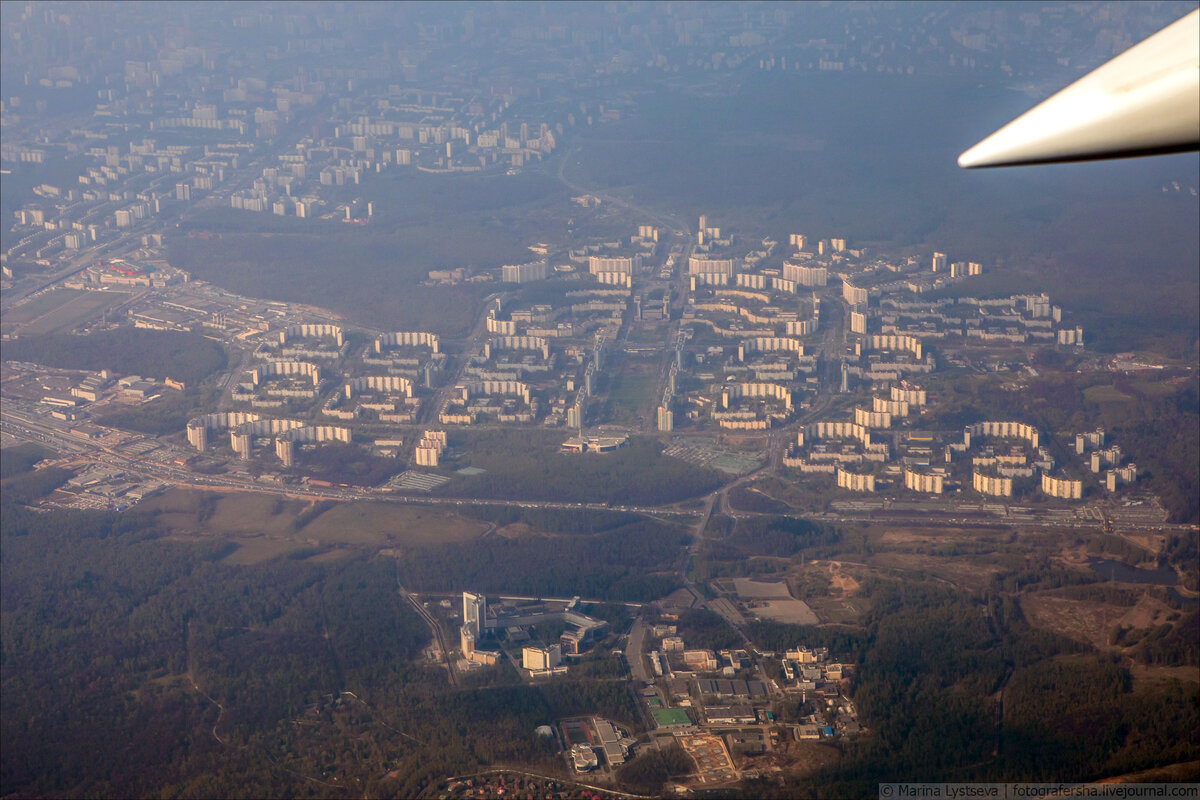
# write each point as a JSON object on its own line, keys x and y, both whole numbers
{"x": 963, "y": 573}
{"x": 1105, "y": 394}
{"x": 256, "y": 550}
{"x": 391, "y": 524}
{"x": 799, "y": 757}
{"x": 1083, "y": 621}
{"x": 918, "y": 535}
{"x": 1090, "y": 621}
{"x": 266, "y": 527}
{"x": 838, "y": 610}
{"x": 514, "y": 531}
{"x": 236, "y": 514}
{"x": 842, "y": 580}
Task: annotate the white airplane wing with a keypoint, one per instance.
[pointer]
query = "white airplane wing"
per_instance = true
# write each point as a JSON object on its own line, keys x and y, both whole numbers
{"x": 1146, "y": 101}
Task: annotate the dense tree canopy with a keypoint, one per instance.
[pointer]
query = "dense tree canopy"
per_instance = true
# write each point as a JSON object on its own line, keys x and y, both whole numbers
{"x": 188, "y": 357}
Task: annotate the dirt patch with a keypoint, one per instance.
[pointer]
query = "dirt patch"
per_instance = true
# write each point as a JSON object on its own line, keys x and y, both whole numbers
{"x": 1081, "y": 620}
{"x": 961, "y": 572}
{"x": 908, "y": 536}
{"x": 799, "y": 757}
{"x": 514, "y": 531}
{"x": 838, "y": 610}
{"x": 795, "y": 612}
{"x": 1148, "y": 613}
{"x": 842, "y": 580}
{"x": 749, "y": 589}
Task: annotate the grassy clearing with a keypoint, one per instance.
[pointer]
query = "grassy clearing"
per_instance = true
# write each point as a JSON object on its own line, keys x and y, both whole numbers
{"x": 384, "y": 523}
{"x": 525, "y": 464}
{"x": 255, "y": 551}
{"x": 1105, "y": 394}
{"x": 632, "y": 393}
{"x": 267, "y": 526}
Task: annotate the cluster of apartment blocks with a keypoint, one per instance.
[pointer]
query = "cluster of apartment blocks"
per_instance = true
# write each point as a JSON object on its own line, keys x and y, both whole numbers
{"x": 67, "y": 226}
{"x": 430, "y": 448}
{"x": 732, "y": 302}
{"x": 929, "y": 481}
{"x": 754, "y": 298}
{"x": 1101, "y": 457}
{"x": 615, "y": 270}
{"x": 958, "y": 269}
{"x": 394, "y": 400}
{"x": 1016, "y": 319}
{"x": 880, "y": 416}
{"x": 244, "y": 426}
{"x": 529, "y": 334}
{"x": 362, "y": 143}
{"x": 335, "y": 346}
{"x": 246, "y": 391}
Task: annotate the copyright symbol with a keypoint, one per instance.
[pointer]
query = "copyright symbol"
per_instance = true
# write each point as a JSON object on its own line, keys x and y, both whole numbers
{"x": 886, "y": 791}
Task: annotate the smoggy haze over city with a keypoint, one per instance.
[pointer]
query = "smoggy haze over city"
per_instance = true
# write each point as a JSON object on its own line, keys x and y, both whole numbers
{"x": 531, "y": 399}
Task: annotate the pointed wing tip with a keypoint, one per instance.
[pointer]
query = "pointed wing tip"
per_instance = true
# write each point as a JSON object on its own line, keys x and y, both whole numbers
{"x": 968, "y": 161}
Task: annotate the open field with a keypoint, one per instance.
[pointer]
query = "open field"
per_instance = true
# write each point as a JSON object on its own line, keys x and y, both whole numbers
{"x": 266, "y": 527}
{"x": 748, "y": 589}
{"x": 376, "y": 523}
{"x": 773, "y": 600}
{"x": 1091, "y": 621}
{"x": 632, "y": 395}
{"x": 59, "y": 310}
{"x": 1105, "y": 394}
{"x": 251, "y": 550}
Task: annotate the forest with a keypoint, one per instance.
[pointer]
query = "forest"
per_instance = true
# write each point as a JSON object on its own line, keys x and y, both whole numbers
{"x": 337, "y": 462}
{"x": 764, "y": 545}
{"x": 140, "y": 665}
{"x": 421, "y": 223}
{"x": 633, "y": 562}
{"x": 166, "y": 415}
{"x": 932, "y": 663}
{"x": 137, "y": 666}
{"x": 187, "y": 357}
{"x": 20, "y": 459}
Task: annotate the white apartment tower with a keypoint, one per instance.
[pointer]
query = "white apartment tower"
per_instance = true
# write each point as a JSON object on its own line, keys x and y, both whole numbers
{"x": 474, "y": 613}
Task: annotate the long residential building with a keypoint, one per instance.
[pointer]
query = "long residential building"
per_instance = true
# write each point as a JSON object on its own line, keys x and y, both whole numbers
{"x": 407, "y": 339}
{"x": 805, "y": 276}
{"x": 931, "y": 483}
{"x": 1064, "y": 488}
{"x": 855, "y": 482}
{"x": 625, "y": 265}
{"x": 995, "y": 486}
{"x": 524, "y": 273}
{"x": 1013, "y": 430}
{"x": 914, "y": 397}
